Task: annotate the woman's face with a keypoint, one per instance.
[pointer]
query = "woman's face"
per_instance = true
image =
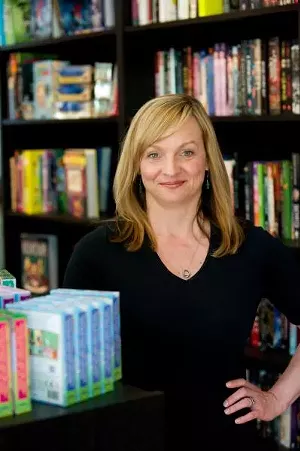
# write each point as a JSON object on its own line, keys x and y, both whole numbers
{"x": 173, "y": 169}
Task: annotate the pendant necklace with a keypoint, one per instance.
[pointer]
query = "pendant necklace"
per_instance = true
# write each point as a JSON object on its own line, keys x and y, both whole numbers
{"x": 186, "y": 273}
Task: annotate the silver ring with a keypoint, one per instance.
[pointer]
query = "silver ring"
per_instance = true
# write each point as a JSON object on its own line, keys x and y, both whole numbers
{"x": 252, "y": 401}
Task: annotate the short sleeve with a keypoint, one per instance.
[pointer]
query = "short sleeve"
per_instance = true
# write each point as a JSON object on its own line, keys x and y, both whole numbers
{"x": 282, "y": 277}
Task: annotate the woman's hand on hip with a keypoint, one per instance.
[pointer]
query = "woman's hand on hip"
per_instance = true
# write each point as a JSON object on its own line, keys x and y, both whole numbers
{"x": 263, "y": 405}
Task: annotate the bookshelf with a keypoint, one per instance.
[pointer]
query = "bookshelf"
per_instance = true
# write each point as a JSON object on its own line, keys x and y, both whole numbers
{"x": 122, "y": 44}
{"x": 133, "y": 49}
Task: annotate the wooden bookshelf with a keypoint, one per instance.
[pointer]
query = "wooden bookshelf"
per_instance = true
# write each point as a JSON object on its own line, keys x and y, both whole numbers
{"x": 99, "y": 121}
{"x": 51, "y": 45}
{"x": 54, "y": 217}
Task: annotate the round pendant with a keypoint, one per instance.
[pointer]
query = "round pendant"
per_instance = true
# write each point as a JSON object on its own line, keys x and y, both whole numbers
{"x": 186, "y": 274}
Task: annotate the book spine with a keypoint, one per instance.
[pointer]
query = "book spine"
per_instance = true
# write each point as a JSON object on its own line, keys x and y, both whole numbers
{"x": 295, "y": 79}
{"x": 296, "y": 195}
{"x": 274, "y": 76}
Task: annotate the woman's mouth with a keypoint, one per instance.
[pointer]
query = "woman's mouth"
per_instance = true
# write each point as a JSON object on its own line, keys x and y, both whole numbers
{"x": 174, "y": 184}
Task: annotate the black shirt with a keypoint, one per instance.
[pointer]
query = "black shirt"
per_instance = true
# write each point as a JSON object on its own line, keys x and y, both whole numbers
{"x": 187, "y": 337}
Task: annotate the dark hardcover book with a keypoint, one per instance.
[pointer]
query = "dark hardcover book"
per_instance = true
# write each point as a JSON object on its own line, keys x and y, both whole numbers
{"x": 166, "y": 70}
{"x": 266, "y": 194}
{"x": 155, "y": 9}
{"x": 257, "y": 77}
{"x": 243, "y": 79}
{"x": 39, "y": 262}
{"x": 236, "y": 184}
{"x": 248, "y": 190}
{"x": 296, "y": 195}
{"x": 295, "y": 78}
{"x": 254, "y": 4}
{"x": 234, "y": 4}
{"x": 179, "y": 71}
{"x": 244, "y": 4}
{"x": 249, "y": 76}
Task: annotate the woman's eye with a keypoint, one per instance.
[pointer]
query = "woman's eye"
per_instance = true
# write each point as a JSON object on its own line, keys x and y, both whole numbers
{"x": 153, "y": 155}
{"x": 188, "y": 153}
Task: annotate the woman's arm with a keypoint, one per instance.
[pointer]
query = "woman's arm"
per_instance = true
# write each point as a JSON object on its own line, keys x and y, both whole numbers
{"x": 265, "y": 405}
{"x": 287, "y": 387}
{"x": 281, "y": 276}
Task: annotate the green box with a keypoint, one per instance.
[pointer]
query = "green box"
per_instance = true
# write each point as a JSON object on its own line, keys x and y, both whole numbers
{"x": 6, "y": 401}
{"x": 19, "y": 361}
{"x": 7, "y": 279}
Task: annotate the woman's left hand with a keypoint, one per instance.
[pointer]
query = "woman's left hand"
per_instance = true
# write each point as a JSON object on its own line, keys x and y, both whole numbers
{"x": 263, "y": 404}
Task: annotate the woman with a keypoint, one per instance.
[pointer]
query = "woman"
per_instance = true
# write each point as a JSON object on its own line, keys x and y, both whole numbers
{"x": 191, "y": 278}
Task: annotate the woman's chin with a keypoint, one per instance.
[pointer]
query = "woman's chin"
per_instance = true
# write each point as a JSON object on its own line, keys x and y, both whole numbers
{"x": 173, "y": 200}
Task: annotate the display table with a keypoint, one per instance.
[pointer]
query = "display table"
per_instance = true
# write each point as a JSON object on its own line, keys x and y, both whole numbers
{"x": 127, "y": 419}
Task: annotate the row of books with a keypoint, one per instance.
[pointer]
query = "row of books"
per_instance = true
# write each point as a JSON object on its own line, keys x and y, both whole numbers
{"x": 272, "y": 198}
{"x": 27, "y": 20}
{"x": 267, "y": 192}
{"x": 50, "y": 88}
{"x": 254, "y": 77}
{"x": 284, "y": 429}
{"x": 72, "y": 181}
{"x": 144, "y": 12}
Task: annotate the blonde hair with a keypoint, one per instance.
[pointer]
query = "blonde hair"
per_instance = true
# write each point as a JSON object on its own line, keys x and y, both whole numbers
{"x": 152, "y": 121}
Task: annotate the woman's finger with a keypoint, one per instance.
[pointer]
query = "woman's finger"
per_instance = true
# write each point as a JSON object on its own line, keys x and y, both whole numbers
{"x": 248, "y": 417}
{"x": 236, "y": 396}
{"x": 237, "y": 383}
{"x": 242, "y": 404}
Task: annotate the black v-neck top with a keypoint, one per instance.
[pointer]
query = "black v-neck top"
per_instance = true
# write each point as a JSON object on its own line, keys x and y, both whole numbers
{"x": 187, "y": 337}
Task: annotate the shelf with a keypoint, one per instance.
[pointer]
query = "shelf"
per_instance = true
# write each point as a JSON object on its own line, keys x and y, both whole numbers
{"x": 215, "y": 19}
{"x": 259, "y": 119}
{"x": 248, "y": 119}
{"x": 122, "y": 419}
{"x": 114, "y": 119}
{"x": 57, "y": 218}
{"x": 42, "y": 412}
{"x": 49, "y": 44}
{"x": 59, "y": 122}
{"x": 61, "y": 133}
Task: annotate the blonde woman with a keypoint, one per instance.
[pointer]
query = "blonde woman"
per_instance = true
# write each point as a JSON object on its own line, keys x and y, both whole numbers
{"x": 191, "y": 277}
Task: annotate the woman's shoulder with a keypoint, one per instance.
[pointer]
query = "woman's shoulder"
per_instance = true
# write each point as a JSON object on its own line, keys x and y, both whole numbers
{"x": 250, "y": 230}
{"x": 257, "y": 237}
{"x": 101, "y": 236}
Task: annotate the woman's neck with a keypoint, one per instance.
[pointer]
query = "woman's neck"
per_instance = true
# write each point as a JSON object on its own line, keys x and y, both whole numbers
{"x": 177, "y": 222}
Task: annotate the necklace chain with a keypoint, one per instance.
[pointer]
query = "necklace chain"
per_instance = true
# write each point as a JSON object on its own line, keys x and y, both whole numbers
{"x": 186, "y": 273}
